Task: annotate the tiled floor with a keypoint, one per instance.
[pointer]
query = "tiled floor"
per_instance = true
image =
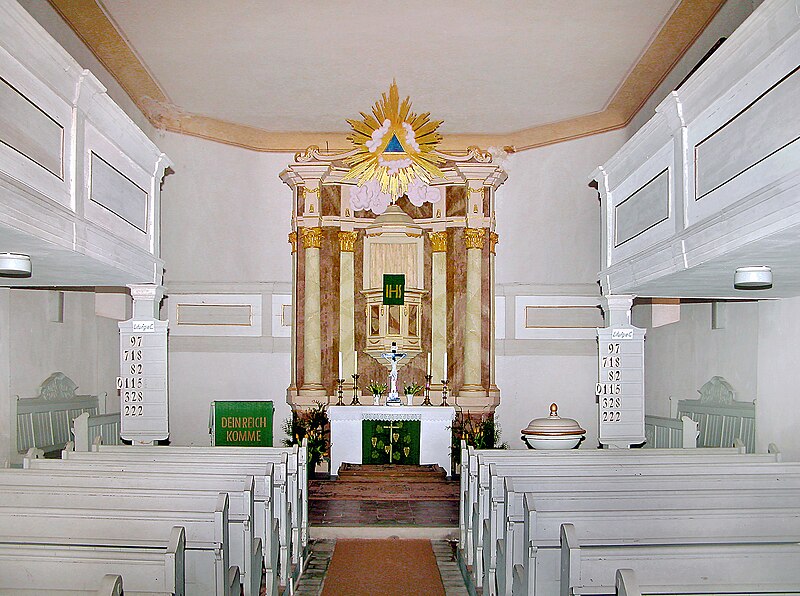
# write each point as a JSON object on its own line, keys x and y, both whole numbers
{"x": 383, "y": 513}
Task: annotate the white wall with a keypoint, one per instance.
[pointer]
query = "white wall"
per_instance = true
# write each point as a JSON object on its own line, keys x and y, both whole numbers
{"x": 682, "y": 356}
{"x": 777, "y": 411}
{"x": 226, "y": 218}
{"x": 225, "y": 214}
{"x": 41, "y": 347}
{"x": 33, "y": 347}
{"x": 7, "y": 414}
{"x": 548, "y": 224}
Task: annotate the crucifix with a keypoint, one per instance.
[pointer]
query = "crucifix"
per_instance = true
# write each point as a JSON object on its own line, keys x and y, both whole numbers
{"x": 394, "y": 356}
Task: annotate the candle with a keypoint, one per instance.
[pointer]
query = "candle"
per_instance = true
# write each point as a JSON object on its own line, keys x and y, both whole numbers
{"x": 355, "y": 362}
{"x": 429, "y": 364}
{"x": 340, "y": 366}
{"x": 445, "y": 365}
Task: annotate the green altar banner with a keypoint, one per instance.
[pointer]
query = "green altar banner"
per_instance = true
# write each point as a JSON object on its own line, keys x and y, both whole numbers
{"x": 394, "y": 288}
{"x": 390, "y": 442}
{"x": 242, "y": 423}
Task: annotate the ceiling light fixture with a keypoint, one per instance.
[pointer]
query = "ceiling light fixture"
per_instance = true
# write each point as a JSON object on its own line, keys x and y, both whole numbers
{"x": 752, "y": 278}
{"x": 14, "y": 265}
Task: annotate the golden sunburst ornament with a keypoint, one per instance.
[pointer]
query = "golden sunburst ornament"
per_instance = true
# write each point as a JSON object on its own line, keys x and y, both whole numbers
{"x": 394, "y": 146}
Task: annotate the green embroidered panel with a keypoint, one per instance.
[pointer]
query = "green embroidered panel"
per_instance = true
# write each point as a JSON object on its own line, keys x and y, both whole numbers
{"x": 390, "y": 442}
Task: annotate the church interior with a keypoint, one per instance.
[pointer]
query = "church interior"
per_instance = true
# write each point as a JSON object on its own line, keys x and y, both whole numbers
{"x": 513, "y": 285}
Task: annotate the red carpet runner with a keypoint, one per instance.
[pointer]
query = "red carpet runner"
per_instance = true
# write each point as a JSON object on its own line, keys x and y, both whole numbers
{"x": 383, "y": 567}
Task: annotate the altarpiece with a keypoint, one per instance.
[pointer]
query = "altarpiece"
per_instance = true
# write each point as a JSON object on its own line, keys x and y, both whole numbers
{"x": 394, "y": 208}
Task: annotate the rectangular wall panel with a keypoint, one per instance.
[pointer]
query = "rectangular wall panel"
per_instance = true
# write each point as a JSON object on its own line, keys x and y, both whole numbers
{"x": 645, "y": 208}
{"x": 118, "y": 193}
{"x": 29, "y": 130}
{"x": 215, "y": 315}
{"x": 556, "y": 317}
{"x": 235, "y": 315}
{"x": 761, "y": 129}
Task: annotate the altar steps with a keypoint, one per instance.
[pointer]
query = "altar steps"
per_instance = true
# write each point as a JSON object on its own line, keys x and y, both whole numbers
{"x": 384, "y": 501}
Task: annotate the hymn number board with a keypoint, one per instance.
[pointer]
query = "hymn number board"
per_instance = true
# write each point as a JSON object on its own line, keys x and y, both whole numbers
{"x": 142, "y": 382}
{"x": 620, "y": 385}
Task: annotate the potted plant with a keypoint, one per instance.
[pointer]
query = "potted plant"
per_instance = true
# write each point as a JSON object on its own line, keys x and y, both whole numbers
{"x": 480, "y": 431}
{"x": 312, "y": 425}
{"x": 411, "y": 391}
{"x": 377, "y": 389}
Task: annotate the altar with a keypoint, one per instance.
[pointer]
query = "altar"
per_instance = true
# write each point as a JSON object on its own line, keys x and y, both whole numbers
{"x": 347, "y": 440}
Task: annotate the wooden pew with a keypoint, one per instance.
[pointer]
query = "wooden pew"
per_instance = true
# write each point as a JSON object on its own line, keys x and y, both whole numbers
{"x": 240, "y": 490}
{"x": 756, "y": 568}
{"x": 110, "y": 585}
{"x": 512, "y": 547}
{"x": 576, "y": 463}
{"x": 296, "y": 473}
{"x": 53, "y": 568}
{"x": 646, "y": 518}
{"x": 293, "y": 458}
{"x": 471, "y": 476}
{"x": 88, "y": 429}
{"x": 115, "y": 523}
{"x": 270, "y": 484}
{"x": 242, "y": 545}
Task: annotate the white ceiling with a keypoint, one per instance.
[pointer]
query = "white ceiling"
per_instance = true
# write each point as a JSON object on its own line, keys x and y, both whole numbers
{"x": 482, "y": 67}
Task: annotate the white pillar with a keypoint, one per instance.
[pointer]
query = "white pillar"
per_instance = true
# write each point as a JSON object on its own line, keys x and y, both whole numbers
{"x": 146, "y": 300}
{"x": 617, "y": 309}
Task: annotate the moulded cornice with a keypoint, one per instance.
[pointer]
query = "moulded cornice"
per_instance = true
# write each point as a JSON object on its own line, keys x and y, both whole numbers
{"x": 90, "y": 23}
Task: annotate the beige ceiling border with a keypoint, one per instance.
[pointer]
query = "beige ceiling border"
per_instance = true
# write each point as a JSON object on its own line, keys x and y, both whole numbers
{"x": 92, "y": 25}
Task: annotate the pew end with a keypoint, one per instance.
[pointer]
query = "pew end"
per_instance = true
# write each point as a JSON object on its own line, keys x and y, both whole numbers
{"x": 233, "y": 583}
{"x": 626, "y": 583}
{"x": 110, "y": 585}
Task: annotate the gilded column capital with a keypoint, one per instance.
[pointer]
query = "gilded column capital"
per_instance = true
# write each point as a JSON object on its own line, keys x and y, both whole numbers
{"x": 474, "y": 237}
{"x": 305, "y": 191}
{"x": 293, "y": 241}
{"x": 438, "y": 241}
{"x": 312, "y": 237}
{"x": 494, "y": 239}
{"x": 347, "y": 241}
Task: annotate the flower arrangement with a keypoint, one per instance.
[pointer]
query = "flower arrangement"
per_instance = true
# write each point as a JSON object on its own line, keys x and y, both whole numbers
{"x": 478, "y": 430}
{"x": 412, "y": 389}
{"x": 377, "y": 388}
{"x": 312, "y": 425}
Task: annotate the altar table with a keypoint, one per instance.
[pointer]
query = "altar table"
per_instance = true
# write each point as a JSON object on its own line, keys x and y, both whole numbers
{"x": 435, "y": 431}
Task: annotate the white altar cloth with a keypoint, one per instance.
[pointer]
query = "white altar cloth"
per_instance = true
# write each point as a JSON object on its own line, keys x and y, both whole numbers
{"x": 434, "y": 435}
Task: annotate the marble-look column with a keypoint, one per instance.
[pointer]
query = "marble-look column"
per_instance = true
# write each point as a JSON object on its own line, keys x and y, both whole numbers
{"x": 438, "y": 305}
{"x": 312, "y": 341}
{"x": 494, "y": 391}
{"x": 347, "y": 305}
{"x": 293, "y": 350}
{"x": 472, "y": 386}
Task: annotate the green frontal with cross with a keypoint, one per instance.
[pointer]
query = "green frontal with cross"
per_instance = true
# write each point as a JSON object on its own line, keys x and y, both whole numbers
{"x": 390, "y": 442}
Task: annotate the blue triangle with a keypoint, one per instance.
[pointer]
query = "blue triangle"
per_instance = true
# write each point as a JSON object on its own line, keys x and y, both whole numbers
{"x": 394, "y": 146}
